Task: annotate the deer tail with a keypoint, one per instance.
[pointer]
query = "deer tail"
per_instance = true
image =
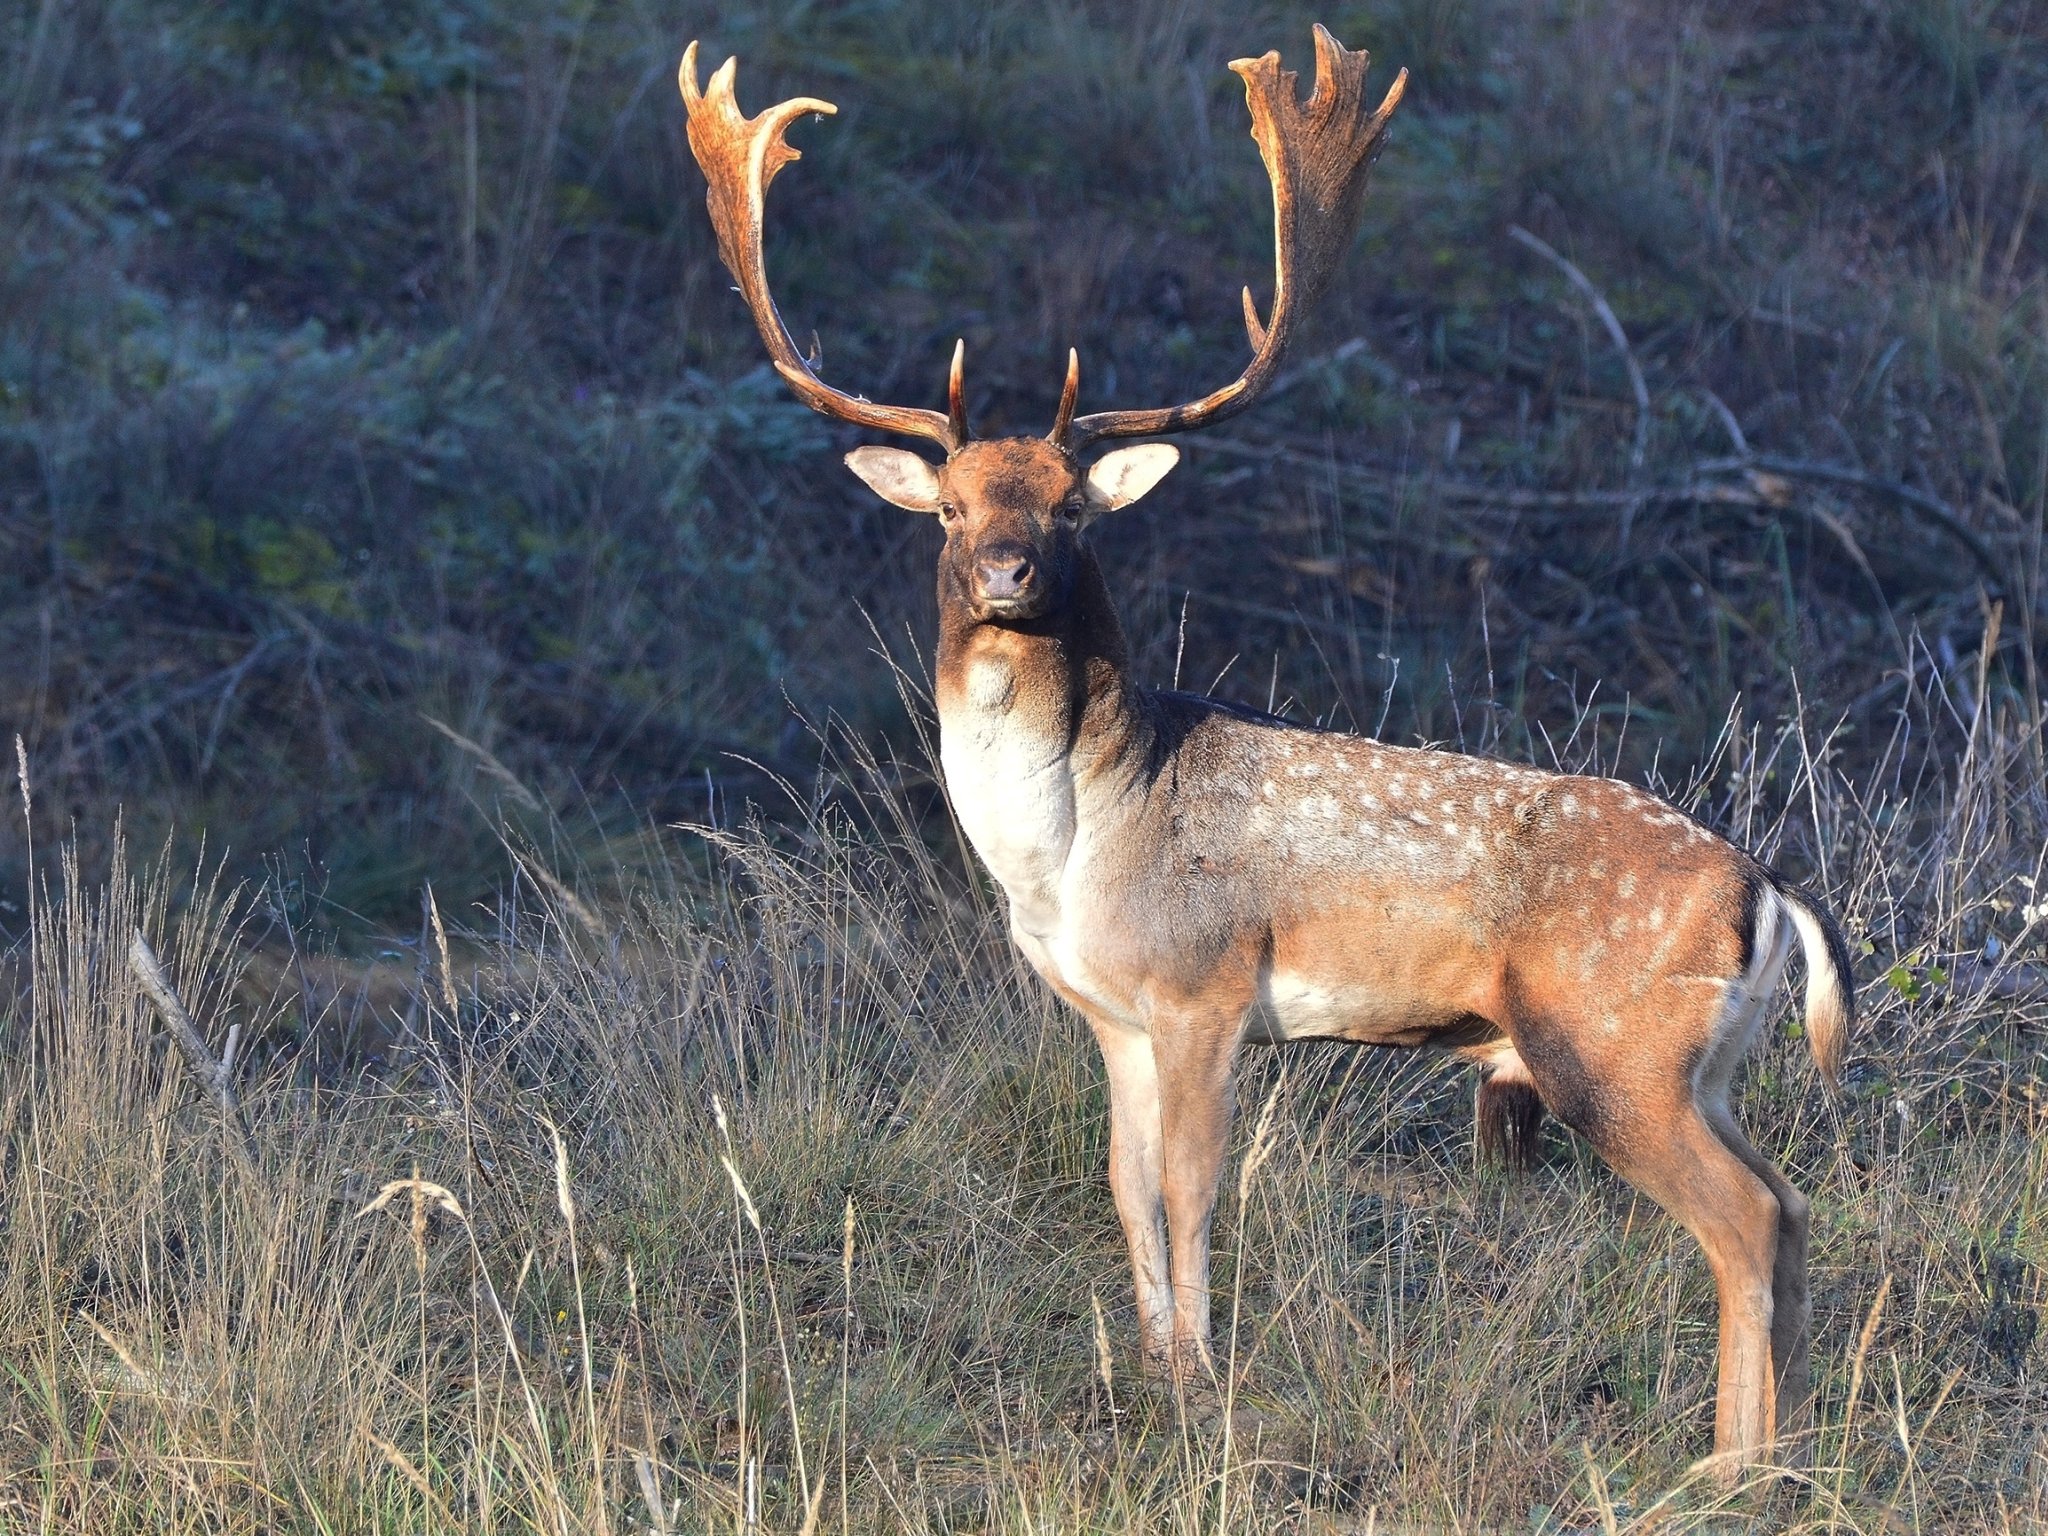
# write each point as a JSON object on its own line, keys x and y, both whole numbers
{"x": 1830, "y": 999}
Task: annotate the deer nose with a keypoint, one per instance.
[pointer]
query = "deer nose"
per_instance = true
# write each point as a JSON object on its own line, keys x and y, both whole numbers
{"x": 1005, "y": 571}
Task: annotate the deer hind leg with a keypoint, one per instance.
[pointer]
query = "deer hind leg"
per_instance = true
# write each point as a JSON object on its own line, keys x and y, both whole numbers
{"x": 1196, "y": 1053}
{"x": 1676, "y": 1158}
{"x": 1791, "y": 1304}
{"x": 1654, "y": 1134}
{"x": 1748, "y": 1001}
{"x": 1135, "y": 1148}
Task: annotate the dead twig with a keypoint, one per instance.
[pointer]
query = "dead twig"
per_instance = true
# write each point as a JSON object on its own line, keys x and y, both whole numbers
{"x": 217, "y": 1077}
{"x": 1605, "y": 312}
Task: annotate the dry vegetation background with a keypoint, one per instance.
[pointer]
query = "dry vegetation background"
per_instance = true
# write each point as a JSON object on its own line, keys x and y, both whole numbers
{"x": 392, "y": 498}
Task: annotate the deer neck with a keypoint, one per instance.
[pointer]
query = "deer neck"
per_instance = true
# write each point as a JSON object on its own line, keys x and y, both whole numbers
{"x": 1030, "y": 717}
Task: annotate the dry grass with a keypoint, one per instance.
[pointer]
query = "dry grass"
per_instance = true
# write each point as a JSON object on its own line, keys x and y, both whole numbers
{"x": 580, "y": 1258}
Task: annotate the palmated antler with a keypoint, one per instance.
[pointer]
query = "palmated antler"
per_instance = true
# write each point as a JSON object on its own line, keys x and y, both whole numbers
{"x": 740, "y": 156}
{"x": 1319, "y": 156}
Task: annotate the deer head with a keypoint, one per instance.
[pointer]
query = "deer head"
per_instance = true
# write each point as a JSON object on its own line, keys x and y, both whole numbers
{"x": 1013, "y": 508}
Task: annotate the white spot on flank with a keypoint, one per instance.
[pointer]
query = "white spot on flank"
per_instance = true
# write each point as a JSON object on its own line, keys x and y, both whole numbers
{"x": 1569, "y": 805}
{"x": 1370, "y": 802}
{"x": 1266, "y": 789}
{"x": 1656, "y": 917}
{"x": 1625, "y": 887}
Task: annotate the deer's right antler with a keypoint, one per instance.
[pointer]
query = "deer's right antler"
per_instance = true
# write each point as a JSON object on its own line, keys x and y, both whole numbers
{"x": 740, "y": 156}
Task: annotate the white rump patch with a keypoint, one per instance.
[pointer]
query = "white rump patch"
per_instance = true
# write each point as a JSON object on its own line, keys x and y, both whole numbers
{"x": 1744, "y": 1002}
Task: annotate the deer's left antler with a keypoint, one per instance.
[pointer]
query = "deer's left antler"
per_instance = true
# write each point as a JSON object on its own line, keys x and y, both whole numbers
{"x": 1319, "y": 157}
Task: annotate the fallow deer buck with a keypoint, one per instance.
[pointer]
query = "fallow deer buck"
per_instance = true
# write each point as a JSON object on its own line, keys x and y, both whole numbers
{"x": 1191, "y": 875}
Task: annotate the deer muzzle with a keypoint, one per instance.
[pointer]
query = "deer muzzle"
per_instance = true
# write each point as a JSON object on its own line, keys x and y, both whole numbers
{"x": 1006, "y": 577}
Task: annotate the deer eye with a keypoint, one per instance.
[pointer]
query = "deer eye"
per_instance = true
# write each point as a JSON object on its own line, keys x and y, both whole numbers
{"x": 948, "y": 513}
{"x": 1072, "y": 508}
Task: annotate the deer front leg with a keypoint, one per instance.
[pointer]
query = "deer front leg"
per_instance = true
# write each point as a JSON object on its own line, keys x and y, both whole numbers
{"x": 1195, "y": 1056}
{"x": 1134, "y": 1178}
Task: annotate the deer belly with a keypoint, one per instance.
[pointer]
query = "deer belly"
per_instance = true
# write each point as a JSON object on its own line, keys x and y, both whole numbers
{"x": 1296, "y": 1006}
{"x": 1407, "y": 977}
{"x": 1292, "y": 1006}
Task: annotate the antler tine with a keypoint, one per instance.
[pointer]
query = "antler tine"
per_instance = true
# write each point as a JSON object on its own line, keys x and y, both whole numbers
{"x": 956, "y": 394}
{"x": 740, "y": 156}
{"x": 1319, "y": 157}
{"x": 1069, "y": 393}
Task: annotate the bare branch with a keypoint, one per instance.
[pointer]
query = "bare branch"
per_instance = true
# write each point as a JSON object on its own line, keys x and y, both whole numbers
{"x": 215, "y": 1076}
{"x": 1937, "y": 511}
{"x": 1728, "y": 422}
{"x": 1605, "y": 311}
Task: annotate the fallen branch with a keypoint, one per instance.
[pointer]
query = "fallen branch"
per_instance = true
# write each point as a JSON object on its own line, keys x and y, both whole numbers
{"x": 1615, "y": 334}
{"x": 1712, "y": 481}
{"x": 1934, "y": 508}
{"x": 2007, "y": 981}
{"x": 217, "y": 1077}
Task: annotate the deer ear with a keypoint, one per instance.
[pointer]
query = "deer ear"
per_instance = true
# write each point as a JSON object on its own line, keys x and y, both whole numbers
{"x": 1120, "y": 478}
{"x": 897, "y": 475}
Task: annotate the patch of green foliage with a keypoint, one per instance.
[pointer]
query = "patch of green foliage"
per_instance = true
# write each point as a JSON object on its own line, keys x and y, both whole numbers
{"x": 361, "y": 363}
